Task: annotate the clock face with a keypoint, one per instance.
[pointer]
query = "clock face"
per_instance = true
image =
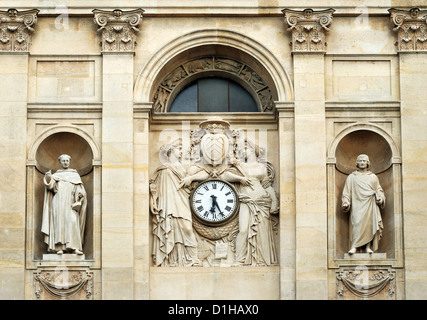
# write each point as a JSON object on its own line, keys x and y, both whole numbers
{"x": 214, "y": 202}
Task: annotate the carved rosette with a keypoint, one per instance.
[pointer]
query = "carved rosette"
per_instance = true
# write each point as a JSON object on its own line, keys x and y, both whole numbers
{"x": 16, "y": 28}
{"x": 363, "y": 283}
{"x": 63, "y": 284}
{"x": 308, "y": 29}
{"x": 411, "y": 28}
{"x": 235, "y": 68}
{"x": 118, "y": 29}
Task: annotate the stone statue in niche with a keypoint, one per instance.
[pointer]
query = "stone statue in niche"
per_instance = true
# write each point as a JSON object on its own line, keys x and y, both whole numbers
{"x": 64, "y": 209}
{"x": 255, "y": 243}
{"x": 247, "y": 238}
{"x": 363, "y": 198}
{"x": 174, "y": 242}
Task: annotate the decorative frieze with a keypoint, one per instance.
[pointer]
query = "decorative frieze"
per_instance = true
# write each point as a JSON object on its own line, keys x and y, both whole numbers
{"x": 308, "y": 29}
{"x": 118, "y": 29}
{"x": 411, "y": 28}
{"x": 173, "y": 81}
{"x": 16, "y": 28}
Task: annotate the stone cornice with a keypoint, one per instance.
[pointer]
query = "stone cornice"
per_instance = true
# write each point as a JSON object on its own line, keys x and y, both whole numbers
{"x": 308, "y": 29}
{"x": 411, "y": 28}
{"x": 16, "y": 28}
{"x": 118, "y": 29}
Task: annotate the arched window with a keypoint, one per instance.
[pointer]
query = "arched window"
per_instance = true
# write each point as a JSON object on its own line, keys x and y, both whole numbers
{"x": 214, "y": 94}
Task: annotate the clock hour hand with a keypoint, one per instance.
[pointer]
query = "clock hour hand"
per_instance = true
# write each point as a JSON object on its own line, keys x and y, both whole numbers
{"x": 212, "y": 210}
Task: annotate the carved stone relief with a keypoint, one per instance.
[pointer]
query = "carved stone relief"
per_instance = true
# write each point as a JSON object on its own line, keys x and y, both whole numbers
{"x": 218, "y": 155}
{"x": 63, "y": 284}
{"x": 118, "y": 29}
{"x": 411, "y": 28}
{"x": 200, "y": 65}
{"x": 364, "y": 283}
{"x": 308, "y": 29}
{"x": 16, "y": 28}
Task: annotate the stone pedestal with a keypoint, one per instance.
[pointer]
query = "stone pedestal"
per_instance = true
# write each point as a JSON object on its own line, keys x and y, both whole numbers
{"x": 64, "y": 257}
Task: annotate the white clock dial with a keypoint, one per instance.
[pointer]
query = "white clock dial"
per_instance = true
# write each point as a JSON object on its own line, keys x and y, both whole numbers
{"x": 214, "y": 201}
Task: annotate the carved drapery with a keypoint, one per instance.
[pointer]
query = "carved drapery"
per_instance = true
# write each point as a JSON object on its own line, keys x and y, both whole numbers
{"x": 16, "y": 28}
{"x": 411, "y": 29}
{"x": 366, "y": 284}
{"x": 118, "y": 29}
{"x": 229, "y": 66}
{"x": 63, "y": 284}
{"x": 308, "y": 29}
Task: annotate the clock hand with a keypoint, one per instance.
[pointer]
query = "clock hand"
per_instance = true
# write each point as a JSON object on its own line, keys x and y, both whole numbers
{"x": 220, "y": 212}
{"x": 212, "y": 210}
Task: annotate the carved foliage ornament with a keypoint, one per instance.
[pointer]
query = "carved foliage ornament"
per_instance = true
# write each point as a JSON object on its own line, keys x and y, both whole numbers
{"x": 411, "y": 28}
{"x": 118, "y": 29}
{"x": 16, "y": 28}
{"x": 365, "y": 284}
{"x": 308, "y": 29}
{"x": 226, "y": 65}
{"x": 63, "y": 284}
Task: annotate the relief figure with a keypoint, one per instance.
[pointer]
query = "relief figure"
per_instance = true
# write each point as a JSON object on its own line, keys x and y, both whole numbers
{"x": 255, "y": 241}
{"x": 175, "y": 244}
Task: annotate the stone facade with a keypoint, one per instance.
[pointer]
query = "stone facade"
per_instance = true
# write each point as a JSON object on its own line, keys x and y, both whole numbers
{"x": 330, "y": 84}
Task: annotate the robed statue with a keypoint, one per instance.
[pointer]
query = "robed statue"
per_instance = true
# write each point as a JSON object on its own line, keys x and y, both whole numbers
{"x": 363, "y": 198}
{"x": 64, "y": 209}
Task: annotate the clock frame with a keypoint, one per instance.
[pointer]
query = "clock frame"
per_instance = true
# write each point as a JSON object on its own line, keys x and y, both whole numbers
{"x": 196, "y": 202}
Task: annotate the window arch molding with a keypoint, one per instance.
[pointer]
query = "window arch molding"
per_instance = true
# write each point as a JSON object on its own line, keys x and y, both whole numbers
{"x": 187, "y": 44}
{"x": 212, "y": 66}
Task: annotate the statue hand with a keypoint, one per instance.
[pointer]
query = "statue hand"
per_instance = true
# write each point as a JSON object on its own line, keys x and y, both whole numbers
{"x": 345, "y": 207}
{"x": 186, "y": 182}
{"x": 246, "y": 182}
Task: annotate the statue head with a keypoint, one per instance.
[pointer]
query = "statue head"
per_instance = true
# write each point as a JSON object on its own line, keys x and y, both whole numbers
{"x": 361, "y": 159}
{"x": 173, "y": 149}
{"x": 64, "y": 160}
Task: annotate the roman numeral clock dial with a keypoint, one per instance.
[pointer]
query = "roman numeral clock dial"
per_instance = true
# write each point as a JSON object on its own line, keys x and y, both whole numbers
{"x": 214, "y": 202}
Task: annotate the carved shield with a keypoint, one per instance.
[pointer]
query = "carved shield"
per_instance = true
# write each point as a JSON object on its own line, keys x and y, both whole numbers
{"x": 214, "y": 148}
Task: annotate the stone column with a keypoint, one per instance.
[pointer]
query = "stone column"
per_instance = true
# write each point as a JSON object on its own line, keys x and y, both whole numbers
{"x": 15, "y": 38}
{"x": 308, "y": 30}
{"x": 117, "y": 29}
{"x": 411, "y": 29}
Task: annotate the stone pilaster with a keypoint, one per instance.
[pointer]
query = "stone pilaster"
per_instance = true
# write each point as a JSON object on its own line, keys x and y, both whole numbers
{"x": 117, "y": 27}
{"x": 308, "y": 29}
{"x": 15, "y": 30}
{"x": 308, "y": 40}
{"x": 410, "y": 26}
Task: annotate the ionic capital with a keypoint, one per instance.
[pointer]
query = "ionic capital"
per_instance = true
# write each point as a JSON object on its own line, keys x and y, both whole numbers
{"x": 308, "y": 29}
{"x": 411, "y": 28}
{"x": 118, "y": 29}
{"x": 16, "y": 28}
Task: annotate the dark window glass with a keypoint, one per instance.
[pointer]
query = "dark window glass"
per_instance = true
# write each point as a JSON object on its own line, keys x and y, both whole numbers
{"x": 214, "y": 95}
{"x": 186, "y": 101}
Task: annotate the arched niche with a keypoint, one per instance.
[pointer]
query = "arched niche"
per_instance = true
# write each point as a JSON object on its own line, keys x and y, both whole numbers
{"x": 385, "y": 163}
{"x": 43, "y": 156}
